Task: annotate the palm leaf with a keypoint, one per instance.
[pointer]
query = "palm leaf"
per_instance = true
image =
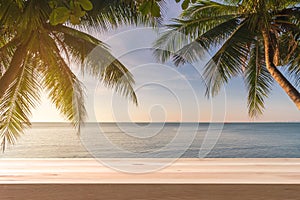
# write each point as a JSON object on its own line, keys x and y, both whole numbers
{"x": 208, "y": 9}
{"x": 9, "y": 12}
{"x": 98, "y": 61}
{"x": 76, "y": 44}
{"x": 204, "y": 43}
{"x": 293, "y": 68}
{"x": 111, "y": 72}
{"x": 64, "y": 89}
{"x": 258, "y": 80}
{"x": 17, "y": 103}
{"x": 110, "y": 14}
{"x": 232, "y": 28}
{"x": 186, "y": 31}
{"x": 7, "y": 49}
{"x": 229, "y": 60}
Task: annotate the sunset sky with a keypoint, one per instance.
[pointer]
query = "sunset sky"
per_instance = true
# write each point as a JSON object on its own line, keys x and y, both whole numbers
{"x": 165, "y": 92}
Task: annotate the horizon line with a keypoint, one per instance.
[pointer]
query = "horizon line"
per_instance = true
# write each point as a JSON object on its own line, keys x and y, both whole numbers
{"x": 137, "y": 122}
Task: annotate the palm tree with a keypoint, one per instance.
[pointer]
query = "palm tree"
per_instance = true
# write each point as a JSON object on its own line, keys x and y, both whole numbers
{"x": 251, "y": 38}
{"x": 36, "y": 56}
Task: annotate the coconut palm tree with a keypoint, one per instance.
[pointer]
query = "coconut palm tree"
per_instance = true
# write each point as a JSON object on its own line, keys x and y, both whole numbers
{"x": 251, "y": 38}
{"x": 36, "y": 55}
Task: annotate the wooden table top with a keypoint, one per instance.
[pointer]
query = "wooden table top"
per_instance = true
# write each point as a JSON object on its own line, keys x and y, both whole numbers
{"x": 201, "y": 171}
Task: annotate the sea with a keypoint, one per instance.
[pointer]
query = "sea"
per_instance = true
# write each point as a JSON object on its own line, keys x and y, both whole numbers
{"x": 158, "y": 140}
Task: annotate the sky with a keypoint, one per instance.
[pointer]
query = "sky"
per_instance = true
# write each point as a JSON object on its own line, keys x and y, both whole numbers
{"x": 166, "y": 93}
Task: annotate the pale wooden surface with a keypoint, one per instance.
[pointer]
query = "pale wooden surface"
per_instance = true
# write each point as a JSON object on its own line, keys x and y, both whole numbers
{"x": 199, "y": 171}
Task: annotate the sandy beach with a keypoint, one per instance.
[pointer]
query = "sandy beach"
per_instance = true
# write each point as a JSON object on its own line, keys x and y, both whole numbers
{"x": 184, "y": 179}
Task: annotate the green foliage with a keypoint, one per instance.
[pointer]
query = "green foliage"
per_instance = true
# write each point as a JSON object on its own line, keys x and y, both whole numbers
{"x": 153, "y": 8}
{"x": 59, "y": 15}
{"x": 232, "y": 32}
{"x": 85, "y": 4}
{"x": 185, "y": 4}
{"x": 76, "y": 10}
{"x": 73, "y": 11}
{"x": 37, "y": 47}
{"x": 229, "y": 60}
{"x": 258, "y": 80}
{"x": 18, "y": 101}
{"x": 150, "y": 7}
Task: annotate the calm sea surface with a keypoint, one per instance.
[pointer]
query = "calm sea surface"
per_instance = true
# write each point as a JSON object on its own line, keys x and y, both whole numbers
{"x": 233, "y": 140}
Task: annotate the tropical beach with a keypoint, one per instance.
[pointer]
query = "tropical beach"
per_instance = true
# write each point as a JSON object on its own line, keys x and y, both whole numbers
{"x": 32, "y": 168}
{"x": 149, "y": 99}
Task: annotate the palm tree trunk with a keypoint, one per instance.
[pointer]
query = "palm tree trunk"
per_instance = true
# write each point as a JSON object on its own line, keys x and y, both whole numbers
{"x": 291, "y": 91}
{"x": 14, "y": 68}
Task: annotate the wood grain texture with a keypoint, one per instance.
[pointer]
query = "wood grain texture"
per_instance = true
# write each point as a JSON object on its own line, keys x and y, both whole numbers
{"x": 149, "y": 192}
{"x": 183, "y": 171}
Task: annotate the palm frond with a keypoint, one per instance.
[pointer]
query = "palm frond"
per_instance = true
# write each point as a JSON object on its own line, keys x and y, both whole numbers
{"x": 168, "y": 43}
{"x": 208, "y": 9}
{"x": 64, "y": 89}
{"x": 202, "y": 45}
{"x": 9, "y": 12}
{"x": 98, "y": 61}
{"x": 111, "y": 72}
{"x": 186, "y": 31}
{"x": 17, "y": 103}
{"x": 258, "y": 80}
{"x": 229, "y": 60}
{"x": 289, "y": 44}
{"x": 281, "y": 4}
{"x": 74, "y": 43}
{"x": 7, "y": 49}
{"x": 111, "y": 14}
{"x": 293, "y": 68}
{"x": 232, "y": 28}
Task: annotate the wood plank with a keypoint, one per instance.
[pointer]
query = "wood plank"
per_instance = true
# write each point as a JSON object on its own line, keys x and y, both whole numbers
{"x": 149, "y": 192}
{"x": 187, "y": 171}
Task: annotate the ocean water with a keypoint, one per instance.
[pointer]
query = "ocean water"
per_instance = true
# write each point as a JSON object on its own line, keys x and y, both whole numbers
{"x": 188, "y": 140}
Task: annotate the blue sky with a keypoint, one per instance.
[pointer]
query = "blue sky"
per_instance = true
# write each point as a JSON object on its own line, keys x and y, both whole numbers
{"x": 165, "y": 92}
